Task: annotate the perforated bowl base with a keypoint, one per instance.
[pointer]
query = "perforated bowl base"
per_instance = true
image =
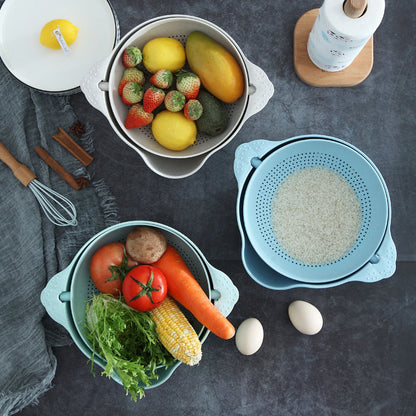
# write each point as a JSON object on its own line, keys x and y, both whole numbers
{"x": 83, "y": 289}
{"x": 177, "y": 27}
{"x": 354, "y": 168}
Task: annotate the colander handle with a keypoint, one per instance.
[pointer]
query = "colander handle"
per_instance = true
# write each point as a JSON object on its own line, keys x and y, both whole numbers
{"x": 383, "y": 267}
{"x": 94, "y": 86}
{"x": 54, "y": 296}
{"x": 260, "y": 89}
{"x": 246, "y": 154}
{"x": 224, "y": 293}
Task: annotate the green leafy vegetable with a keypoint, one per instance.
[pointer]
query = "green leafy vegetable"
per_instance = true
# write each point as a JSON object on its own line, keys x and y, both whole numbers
{"x": 127, "y": 340}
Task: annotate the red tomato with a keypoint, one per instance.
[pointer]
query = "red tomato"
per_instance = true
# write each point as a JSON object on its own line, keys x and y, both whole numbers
{"x": 144, "y": 288}
{"x": 108, "y": 266}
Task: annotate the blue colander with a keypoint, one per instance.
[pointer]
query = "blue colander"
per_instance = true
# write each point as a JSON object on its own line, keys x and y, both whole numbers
{"x": 269, "y": 170}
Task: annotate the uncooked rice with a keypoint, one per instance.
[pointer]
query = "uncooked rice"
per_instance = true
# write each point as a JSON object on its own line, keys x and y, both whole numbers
{"x": 316, "y": 215}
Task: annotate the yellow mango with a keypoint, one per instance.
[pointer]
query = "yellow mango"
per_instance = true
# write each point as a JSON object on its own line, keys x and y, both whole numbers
{"x": 218, "y": 70}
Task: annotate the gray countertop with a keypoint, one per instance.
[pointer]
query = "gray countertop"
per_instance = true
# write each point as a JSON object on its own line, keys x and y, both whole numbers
{"x": 363, "y": 362}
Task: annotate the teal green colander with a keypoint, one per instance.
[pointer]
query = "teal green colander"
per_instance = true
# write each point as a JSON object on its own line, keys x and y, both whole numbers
{"x": 82, "y": 287}
{"x": 66, "y": 294}
{"x": 352, "y": 165}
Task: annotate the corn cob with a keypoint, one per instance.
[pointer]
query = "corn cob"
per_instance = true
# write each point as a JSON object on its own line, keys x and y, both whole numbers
{"x": 176, "y": 333}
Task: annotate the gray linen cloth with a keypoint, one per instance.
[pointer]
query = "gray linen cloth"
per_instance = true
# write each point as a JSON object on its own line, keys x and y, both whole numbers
{"x": 32, "y": 249}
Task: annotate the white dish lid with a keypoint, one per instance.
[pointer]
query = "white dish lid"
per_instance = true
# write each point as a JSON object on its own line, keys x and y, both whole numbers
{"x": 50, "y": 70}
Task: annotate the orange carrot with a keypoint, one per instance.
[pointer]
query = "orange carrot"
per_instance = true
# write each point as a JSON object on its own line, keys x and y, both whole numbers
{"x": 183, "y": 287}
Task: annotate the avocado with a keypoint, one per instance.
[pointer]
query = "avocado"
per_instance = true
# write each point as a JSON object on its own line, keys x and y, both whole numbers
{"x": 214, "y": 119}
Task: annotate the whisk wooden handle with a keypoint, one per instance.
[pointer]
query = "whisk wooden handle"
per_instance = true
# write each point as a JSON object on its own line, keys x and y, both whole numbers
{"x": 22, "y": 172}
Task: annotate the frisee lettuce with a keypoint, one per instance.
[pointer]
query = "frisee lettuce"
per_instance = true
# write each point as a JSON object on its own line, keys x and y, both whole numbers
{"x": 126, "y": 339}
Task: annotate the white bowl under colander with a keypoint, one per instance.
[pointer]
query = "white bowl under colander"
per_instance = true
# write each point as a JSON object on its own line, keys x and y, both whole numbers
{"x": 338, "y": 156}
{"x": 100, "y": 87}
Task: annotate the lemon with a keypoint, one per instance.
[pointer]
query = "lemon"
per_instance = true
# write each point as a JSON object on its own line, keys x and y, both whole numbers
{"x": 163, "y": 53}
{"x": 173, "y": 130}
{"x": 68, "y": 30}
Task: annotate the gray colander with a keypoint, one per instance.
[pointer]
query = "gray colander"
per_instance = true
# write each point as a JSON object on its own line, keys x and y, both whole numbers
{"x": 66, "y": 295}
{"x": 282, "y": 159}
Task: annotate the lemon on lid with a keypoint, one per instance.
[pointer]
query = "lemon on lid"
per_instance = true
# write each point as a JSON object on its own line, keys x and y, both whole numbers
{"x": 68, "y": 30}
{"x": 163, "y": 53}
{"x": 173, "y": 130}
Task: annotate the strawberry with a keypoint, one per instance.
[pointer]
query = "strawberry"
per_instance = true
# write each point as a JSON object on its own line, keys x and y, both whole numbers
{"x": 162, "y": 79}
{"x": 132, "y": 93}
{"x": 132, "y": 56}
{"x": 174, "y": 101}
{"x": 188, "y": 83}
{"x": 193, "y": 110}
{"x": 137, "y": 117}
{"x": 133, "y": 75}
{"x": 152, "y": 99}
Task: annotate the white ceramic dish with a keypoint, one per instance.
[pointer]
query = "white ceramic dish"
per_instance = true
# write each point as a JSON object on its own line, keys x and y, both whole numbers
{"x": 50, "y": 70}
{"x": 101, "y": 89}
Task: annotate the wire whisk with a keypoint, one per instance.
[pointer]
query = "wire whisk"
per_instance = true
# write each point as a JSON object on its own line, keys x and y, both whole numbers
{"x": 58, "y": 209}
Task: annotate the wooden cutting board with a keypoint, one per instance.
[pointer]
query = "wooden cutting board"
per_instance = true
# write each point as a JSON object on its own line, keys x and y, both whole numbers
{"x": 309, "y": 73}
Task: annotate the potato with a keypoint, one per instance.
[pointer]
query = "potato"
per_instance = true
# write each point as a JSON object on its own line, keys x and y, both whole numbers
{"x": 146, "y": 244}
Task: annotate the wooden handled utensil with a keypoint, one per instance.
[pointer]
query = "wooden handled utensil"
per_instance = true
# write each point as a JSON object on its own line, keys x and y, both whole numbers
{"x": 58, "y": 209}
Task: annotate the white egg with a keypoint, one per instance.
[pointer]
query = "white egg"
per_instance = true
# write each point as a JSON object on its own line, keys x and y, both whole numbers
{"x": 305, "y": 317}
{"x": 249, "y": 336}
